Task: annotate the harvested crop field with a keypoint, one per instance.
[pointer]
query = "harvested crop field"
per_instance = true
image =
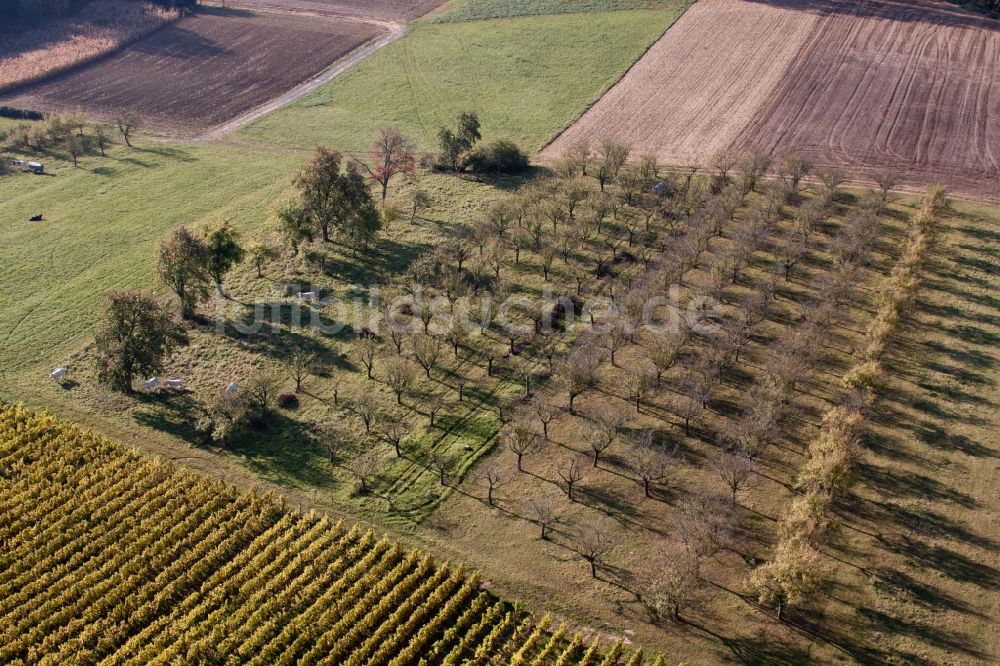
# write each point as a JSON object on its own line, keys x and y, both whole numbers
{"x": 59, "y": 44}
{"x": 201, "y": 70}
{"x": 863, "y": 85}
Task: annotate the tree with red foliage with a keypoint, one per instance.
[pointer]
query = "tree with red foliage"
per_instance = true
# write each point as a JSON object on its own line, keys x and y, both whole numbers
{"x": 392, "y": 154}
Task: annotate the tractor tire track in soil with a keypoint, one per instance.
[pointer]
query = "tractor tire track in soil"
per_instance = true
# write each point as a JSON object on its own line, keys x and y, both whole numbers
{"x": 870, "y": 85}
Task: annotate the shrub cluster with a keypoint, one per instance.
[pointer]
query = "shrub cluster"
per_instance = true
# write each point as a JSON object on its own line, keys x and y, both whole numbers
{"x": 500, "y": 156}
{"x": 20, "y": 114}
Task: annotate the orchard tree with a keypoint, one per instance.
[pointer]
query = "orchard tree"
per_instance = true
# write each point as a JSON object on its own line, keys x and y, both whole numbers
{"x": 127, "y": 123}
{"x": 571, "y": 472}
{"x": 135, "y": 336}
{"x": 364, "y": 468}
{"x": 611, "y": 157}
{"x": 593, "y": 545}
{"x": 366, "y": 349}
{"x": 421, "y": 200}
{"x": 392, "y": 154}
{"x": 102, "y": 138}
{"x": 300, "y": 366}
{"x": 494, "y": 478}
{"x": 545, "y": 511}
{"x": 546, "y": 413}
{"x": 792, "y": 170}
{"x": 792, "y": 577}
{"x": 638, "y": 382}
{"x": 427, "y": 352}
{"x": 294, "y": 227}
{"x": 456, "y": 143}
{"x": 366, "y": 408}
{"x": 521, "y": 441}
{"x": 261, "y": 253}
{"x": 395, "y": 431}
{"x": 399, "y": 377}
{"x": 650, "y": 461}
{"x": 225, "y": 252}
{"x": 579, "y": 155}
{"x": 74, "y": 146}
{"x": 706, "y": 525}
{"x": 670, "y": 584}
{"x": 335, "y": 199}
{"x": 261, "y": 391}
{"x": 663, "y": 350}
{"x": 613, "y": 340}
{"x": 183, "y": 266}
{"x": 737, "y": 470}
{"x": 578, "y": 372}
{"x": 607, "y": 427}
{"x": 442, "y": 462}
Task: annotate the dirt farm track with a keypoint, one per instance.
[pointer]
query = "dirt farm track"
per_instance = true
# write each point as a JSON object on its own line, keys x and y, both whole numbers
{"x": 913, "y": 87}
{"x": 202, "y": 70}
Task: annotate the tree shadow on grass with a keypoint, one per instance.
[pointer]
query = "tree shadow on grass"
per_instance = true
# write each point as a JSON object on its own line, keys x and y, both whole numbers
{"x": 389, "y": 257}
{"x": 945, "y": 561}
{"x": 900, "y": 584}
{"x": 935, "y": 435}
{"x": 890, "y": 483}
{"x": 281, "y": 450}
{"x": 925, "y": 633}
{"x": 171, "y": 412}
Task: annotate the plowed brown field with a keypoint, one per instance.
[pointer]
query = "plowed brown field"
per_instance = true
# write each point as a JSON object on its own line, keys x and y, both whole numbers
{"x": 864, "y": 85}
{"x": 385, "y": 10}
{"x": 202, "y": 70}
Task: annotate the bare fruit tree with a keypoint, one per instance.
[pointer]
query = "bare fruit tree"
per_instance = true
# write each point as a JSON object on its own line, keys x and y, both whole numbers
{"x": 650, "y": 461}
{"x": 367, "y": 351}
{"x": 571, "y": 472}
{"x": 670, "y": 584}
{"x": 300, "y": 366}
{"x": 364, "y": 468}
{"x": 593, "y": 545}
{"x": 545, "y": 511}
{"x": 607, "y": 427}
{"x": 395, "y": 431}
{"x": 737, "y": 470}
{"x": 494, "y": 478}
{"x": 521, "y": 441}
{"x": 127, "y": 123}
{"x": 578, "y": 372}
{"x": 399, "y": 376}
{"x": 366, "y": 409}
{"x": 546, "y": 413}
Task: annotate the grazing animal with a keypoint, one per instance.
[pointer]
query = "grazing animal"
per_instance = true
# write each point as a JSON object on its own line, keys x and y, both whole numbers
{"x": 35, "y": 218}
{"x": 175, "y": 383}
{"x": 57, "y": 374}
{"x": 231, "y": 389}
{"x": 308, "y": 296}
{"x": 151, "y": 383}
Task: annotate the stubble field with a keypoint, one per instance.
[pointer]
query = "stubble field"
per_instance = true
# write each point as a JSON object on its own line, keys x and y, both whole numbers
{"x": 29, "y": 54}
{"x": 867, "y": 86}
{"x": 202, "y": 70}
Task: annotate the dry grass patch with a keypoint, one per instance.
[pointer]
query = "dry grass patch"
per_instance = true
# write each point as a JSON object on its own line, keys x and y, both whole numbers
{"x": 101, "y": 27}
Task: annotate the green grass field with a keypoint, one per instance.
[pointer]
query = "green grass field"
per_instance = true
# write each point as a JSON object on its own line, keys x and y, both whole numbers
{"x": 473, "y": 10}
{"x": 526, "y": 77}
{"x": 102, "y": 223}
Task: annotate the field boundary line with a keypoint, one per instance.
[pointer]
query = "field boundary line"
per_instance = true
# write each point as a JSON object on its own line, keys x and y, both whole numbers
{"x": 393, "y": 32}
{"x": 587, "y": 107}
